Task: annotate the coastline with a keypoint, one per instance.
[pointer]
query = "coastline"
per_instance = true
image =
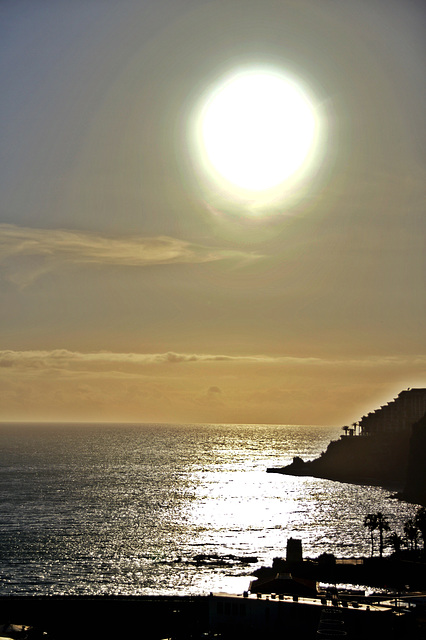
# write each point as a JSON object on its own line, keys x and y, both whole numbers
{"x": 156, "y": 617}
{"x": 398, "y": 489}
{"x": 403, "y": 574}
{"x": 384, "y": 448}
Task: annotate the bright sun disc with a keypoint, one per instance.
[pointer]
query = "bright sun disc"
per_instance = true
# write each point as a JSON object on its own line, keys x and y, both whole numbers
{"x": 256, "y": 131}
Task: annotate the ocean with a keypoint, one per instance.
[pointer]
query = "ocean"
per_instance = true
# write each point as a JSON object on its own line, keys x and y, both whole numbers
{"x": 153, "y": 509}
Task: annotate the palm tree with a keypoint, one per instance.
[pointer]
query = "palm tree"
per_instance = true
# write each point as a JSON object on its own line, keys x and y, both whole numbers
{"x": 420, "y": 522}
{"x": 411, "y": 533}
{"x": 395, "y": 541}
{"x": 375, "y": 521}
{"x": 370, "y": 521}
{"x": 382, "y": 525}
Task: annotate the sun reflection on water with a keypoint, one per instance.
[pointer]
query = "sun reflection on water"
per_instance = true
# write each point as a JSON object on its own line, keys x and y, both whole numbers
{"x": 149, "y": 509}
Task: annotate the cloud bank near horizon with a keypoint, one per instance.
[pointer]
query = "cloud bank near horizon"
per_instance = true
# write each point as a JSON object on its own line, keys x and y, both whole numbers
{"x": 65, "y": 359}
{"x": 177, "y": 387}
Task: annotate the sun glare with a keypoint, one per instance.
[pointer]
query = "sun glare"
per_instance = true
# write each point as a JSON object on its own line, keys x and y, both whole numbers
{"x": 256, "y": 133}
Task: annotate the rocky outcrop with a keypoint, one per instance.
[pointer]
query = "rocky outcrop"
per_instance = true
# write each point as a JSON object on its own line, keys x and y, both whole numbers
{"x": 363, "y": 459}
{"x": 395, "y": 461}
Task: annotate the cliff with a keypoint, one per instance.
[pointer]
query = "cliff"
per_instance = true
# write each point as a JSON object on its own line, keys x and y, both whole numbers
{"x": 415, "y": 485}
{"x": 363, "y": 459}
{"x": 393, "y": 460}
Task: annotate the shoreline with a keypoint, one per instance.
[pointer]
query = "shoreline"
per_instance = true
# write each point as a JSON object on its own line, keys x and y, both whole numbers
{"x": 64, "y": 617}
{"x": 396, "y": 488}
{"x": 406, "y": 573}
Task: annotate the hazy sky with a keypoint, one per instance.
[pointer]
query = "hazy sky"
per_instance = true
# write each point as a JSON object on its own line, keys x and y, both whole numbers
{"x": 132, "y": 290}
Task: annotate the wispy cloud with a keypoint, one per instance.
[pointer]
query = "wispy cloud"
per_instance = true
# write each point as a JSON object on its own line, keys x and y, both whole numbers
{"x": 28, "y": 252}
{"x": 65, "y": 359}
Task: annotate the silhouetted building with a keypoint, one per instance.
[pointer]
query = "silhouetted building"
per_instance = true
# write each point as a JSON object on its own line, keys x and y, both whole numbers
{"x": 397, "y": 416}
{"x": 277, "y": 615}
{"x": 294, "y": 550}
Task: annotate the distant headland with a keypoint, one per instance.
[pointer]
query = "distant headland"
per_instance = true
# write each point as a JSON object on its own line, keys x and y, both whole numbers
{"x": 386, "y": 447}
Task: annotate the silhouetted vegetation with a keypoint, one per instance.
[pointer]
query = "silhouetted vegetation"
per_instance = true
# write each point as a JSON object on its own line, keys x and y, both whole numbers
{"x": 413, "y": 528}
{"x": 382, "y": 525}
{"x": 380, "y": 522}
{"x": 411, "y": 533}
{"x": 370, "y": 521}
{"x": 420, "y": 522}
{"x": 396, "y": 541}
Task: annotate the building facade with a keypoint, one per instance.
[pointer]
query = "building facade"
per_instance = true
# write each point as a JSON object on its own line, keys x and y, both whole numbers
{"x": 397, "y": 416}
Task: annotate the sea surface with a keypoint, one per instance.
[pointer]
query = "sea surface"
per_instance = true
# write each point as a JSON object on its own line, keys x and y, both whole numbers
{"x": 167, "y": 509}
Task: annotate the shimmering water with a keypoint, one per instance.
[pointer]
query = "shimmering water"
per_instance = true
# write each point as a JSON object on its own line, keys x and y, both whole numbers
{"x": 167, "y": 509}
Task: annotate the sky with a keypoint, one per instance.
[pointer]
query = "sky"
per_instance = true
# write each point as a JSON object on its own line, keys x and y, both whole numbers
{"x": 134, "y": 289}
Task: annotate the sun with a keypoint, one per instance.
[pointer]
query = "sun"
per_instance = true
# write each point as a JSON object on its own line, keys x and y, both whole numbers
{"x": 256, "y": 132}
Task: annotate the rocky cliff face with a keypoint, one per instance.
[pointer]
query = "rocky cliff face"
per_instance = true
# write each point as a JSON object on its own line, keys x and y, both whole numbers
{"x": 392, "y": 460}
{"x": 415, "y": 486}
